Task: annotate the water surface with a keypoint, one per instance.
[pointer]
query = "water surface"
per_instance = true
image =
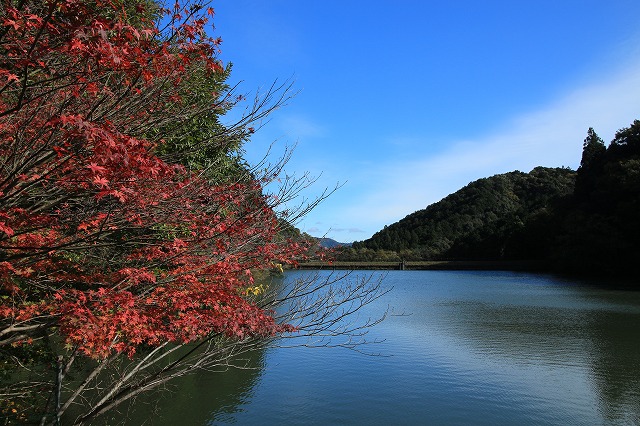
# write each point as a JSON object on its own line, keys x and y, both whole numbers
{"x": 478, "y": 347}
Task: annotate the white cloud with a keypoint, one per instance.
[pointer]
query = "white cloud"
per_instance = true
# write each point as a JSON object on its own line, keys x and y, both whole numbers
{"x": 550, "y": 137}
{"x": 298, "y": 126}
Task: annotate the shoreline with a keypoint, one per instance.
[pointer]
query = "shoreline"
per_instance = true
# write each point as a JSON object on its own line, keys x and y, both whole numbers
{"x": 607, "y": 280}
{"x": 430, "y": 265}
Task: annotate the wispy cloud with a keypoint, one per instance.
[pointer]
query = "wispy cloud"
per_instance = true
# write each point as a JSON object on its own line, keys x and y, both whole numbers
{"x": 336, "y": 232}
{"x": 300, "y": 127}
{"x": 550, "y": 137}
{"x": 347, "y": 230}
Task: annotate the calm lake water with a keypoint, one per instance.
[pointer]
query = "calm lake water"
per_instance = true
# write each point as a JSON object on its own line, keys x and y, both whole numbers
{"x": 481, "y": 348}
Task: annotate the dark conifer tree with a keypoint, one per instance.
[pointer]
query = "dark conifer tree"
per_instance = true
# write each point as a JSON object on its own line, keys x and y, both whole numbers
{"x": 593, "y": 153}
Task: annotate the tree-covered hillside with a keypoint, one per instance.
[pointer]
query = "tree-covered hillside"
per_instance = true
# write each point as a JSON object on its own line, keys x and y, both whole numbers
{"x": 599, "y": 228}
{"x": 582, "y": 222}
{"x": 480, "y": 220}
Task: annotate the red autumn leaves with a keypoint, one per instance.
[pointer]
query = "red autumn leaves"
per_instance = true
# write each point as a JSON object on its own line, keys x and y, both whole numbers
{"x": 102, "y": 239}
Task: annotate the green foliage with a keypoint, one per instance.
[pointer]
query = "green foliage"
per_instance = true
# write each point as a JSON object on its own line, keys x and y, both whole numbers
{"x": 350, "y": 254}
{"x": 199, "y": 140}
{"x": 600, "y": 229}
{"x": 583, "y": 222}
{"x": 480, "y": 221}
{"x": 593, "y": 149}
{"x": 591, "y": 164}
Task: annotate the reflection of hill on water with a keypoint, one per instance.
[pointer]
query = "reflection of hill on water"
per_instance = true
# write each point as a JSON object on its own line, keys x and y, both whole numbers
{"x": 602, "y": 339}
{"x": 616, "y": 365}
{"x": 522, "y": 333}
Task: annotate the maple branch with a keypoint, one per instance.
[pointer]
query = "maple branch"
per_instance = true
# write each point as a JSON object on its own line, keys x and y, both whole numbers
{"x": 131, "y": 228}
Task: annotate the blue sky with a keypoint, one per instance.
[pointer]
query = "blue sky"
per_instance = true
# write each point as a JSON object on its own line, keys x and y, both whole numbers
{"x": 404, "y": 102}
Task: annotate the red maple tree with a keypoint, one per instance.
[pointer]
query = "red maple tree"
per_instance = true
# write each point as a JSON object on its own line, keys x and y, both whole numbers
{"x": 130, "y": 231}
{"x": 101, "y": 236}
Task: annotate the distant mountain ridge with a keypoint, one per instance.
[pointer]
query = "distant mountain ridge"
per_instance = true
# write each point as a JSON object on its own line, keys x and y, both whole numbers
{"x": 330, "y": 243}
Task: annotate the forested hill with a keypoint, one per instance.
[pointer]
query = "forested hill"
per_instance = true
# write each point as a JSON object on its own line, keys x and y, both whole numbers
{"x": 583, "y": 222}
{"x": 483, "y": 220}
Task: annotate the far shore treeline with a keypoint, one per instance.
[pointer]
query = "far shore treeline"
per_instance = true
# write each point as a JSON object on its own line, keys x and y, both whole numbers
{"x": 578, "y": 222}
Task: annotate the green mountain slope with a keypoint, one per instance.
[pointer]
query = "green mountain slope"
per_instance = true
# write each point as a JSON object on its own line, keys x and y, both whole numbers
{"x": 483, "y": 220}
{"x": 599, "y": 229}
{"x": 584, "y": 222}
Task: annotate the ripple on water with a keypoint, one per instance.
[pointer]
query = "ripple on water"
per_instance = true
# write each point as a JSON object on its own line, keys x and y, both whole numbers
{"x": 481, "y": 348}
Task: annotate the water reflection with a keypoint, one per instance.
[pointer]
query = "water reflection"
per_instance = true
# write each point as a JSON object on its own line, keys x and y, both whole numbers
{"x": 577, "y": 345}
{"x": 616, "y": 366}
{"x": 492, "y": 348}
{"x": 208, "y": 396}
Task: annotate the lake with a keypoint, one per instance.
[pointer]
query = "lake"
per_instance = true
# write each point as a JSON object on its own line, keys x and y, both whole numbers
{"x": 474, "y": 347}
